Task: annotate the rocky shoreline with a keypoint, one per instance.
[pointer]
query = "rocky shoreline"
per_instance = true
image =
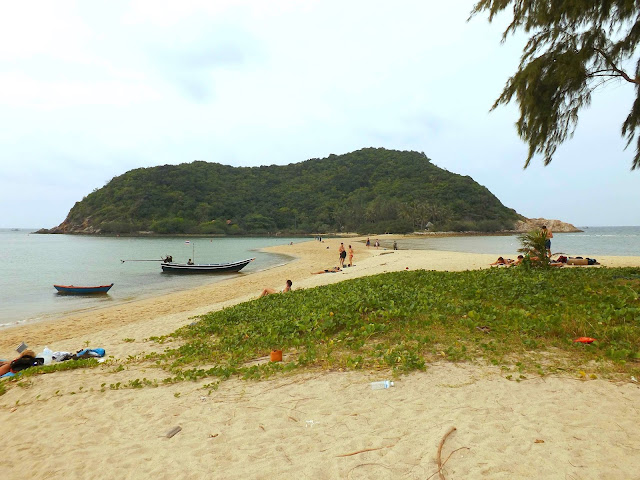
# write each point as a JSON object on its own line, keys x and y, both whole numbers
{"x": 553, "y": 225}
{"x": 520, "y": 226}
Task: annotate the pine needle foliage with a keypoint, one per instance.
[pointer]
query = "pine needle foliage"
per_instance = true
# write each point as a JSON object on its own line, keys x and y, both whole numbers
{"x": 575, "y": 46}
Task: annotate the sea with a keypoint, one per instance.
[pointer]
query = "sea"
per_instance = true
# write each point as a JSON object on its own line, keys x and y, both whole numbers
{"x": 33, "y": 263}
{"x": 591, "y": 242}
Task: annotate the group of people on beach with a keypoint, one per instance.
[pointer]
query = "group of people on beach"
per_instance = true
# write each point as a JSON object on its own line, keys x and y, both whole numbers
{"x": 343, "y": 255}
{"x": 510, "y": 262}
{"x": 376, "y": 243}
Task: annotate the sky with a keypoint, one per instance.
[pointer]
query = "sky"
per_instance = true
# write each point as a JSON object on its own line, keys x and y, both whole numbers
{"x": 91, "y": 90}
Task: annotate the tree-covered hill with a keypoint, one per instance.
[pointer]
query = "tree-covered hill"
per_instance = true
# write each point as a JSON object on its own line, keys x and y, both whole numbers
{"x": 372, "y": 190}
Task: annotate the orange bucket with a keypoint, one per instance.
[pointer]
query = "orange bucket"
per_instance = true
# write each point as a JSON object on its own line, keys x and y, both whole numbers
{"x": 276, "y": 355}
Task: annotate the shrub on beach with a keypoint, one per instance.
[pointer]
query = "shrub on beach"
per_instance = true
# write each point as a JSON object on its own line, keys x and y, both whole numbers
{"x": 534, "y": 248}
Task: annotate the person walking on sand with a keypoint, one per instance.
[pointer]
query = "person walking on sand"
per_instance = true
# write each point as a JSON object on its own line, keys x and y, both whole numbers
{"x": 549, "y": 235}
{"x": 343, "y": 254}
{"x": 368, "y": 242}
{"x": 350, "y": 256}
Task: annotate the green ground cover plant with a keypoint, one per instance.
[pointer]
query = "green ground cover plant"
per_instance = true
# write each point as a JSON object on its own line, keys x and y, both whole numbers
{"x": 24, "y": 375}
{"x": 525, "y": 320}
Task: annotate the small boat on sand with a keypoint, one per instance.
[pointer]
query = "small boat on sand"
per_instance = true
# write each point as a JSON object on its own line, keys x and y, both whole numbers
{"x": 76, "y": 290}
{"x": 171, "y": 267}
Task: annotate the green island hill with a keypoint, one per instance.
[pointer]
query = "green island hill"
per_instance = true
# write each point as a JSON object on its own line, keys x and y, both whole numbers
{"x": 373, "y": 190}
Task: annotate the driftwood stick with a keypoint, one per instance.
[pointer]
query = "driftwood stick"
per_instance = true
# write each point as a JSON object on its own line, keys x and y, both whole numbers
{"x": 173, "y": 431}
{"x": 362, "y": 451}
{"x": 453, "y": 429}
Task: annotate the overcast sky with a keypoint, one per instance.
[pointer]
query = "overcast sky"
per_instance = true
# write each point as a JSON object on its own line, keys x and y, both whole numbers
{"x": 90, "y": 90}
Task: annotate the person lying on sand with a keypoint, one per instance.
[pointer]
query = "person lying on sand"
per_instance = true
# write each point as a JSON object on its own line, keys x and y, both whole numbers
{"x": 519, "y": 260}
{"x": 503, "y": 261}
{"x": 330, "y": 270}
{"x": 270, "y": 291}
{"x": 6, "y": 367}
{"x": 535, "y": 259}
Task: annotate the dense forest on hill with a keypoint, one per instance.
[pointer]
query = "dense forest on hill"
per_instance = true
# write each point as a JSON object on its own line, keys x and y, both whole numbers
{"x": 372, "y": 190}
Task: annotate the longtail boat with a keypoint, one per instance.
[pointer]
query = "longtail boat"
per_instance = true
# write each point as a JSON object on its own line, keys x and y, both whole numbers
{"x": 171, "y": 267}
{"x": 76, "y": 290}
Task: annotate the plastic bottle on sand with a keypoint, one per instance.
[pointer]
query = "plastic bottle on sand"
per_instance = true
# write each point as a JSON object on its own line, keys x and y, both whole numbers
{"x": 47, "y": 354}
{"x": 381, "y": 385}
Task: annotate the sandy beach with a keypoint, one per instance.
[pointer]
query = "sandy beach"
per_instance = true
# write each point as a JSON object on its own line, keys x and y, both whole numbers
{"x": 313, "y": 425}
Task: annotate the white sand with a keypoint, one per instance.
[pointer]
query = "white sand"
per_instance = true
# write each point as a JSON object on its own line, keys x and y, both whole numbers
{"x": 304, "y": 425}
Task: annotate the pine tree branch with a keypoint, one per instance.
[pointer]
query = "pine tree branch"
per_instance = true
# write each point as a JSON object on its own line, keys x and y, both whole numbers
{"x": 615, "y": 68}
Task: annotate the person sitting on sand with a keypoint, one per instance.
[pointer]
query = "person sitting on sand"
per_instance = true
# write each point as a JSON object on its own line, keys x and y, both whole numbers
{"x": 270, "y": 291}
{"x": 329, "y": 270}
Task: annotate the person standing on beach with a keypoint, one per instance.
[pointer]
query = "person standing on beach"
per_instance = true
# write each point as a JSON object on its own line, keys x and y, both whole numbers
{"x": 549, "y": 235}
{"x": 368, "y": 242}
{"x": 350, "y": 256}
{"x": 343, "y": 254}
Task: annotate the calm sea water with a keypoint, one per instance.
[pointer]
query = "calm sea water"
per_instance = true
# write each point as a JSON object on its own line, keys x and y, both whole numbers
{"x": 33, "y": 263}
{"x": 593, "y": 241}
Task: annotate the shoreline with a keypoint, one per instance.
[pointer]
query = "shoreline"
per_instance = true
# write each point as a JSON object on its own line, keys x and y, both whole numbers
{"x": 167, "y": 312}
{"x": 315, "y": 424}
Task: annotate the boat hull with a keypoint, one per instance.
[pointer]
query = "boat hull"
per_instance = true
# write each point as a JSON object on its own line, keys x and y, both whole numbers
{"x": 74, "y": 290}
{"x": 229, "y": 267}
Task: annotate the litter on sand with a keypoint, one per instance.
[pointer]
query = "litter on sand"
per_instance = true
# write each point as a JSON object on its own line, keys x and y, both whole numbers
{"x": 584, "y": 340}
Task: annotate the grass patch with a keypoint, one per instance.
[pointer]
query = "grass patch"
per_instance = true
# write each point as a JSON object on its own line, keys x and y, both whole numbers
{"x": 21, "y": 378}
{"x": 59, "y": 367}
{"x": 523, "y": 320}
{"x": 404, "y": 320}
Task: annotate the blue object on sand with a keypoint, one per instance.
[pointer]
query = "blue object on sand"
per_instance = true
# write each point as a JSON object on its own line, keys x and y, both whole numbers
{"x": 90, "y": 353}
